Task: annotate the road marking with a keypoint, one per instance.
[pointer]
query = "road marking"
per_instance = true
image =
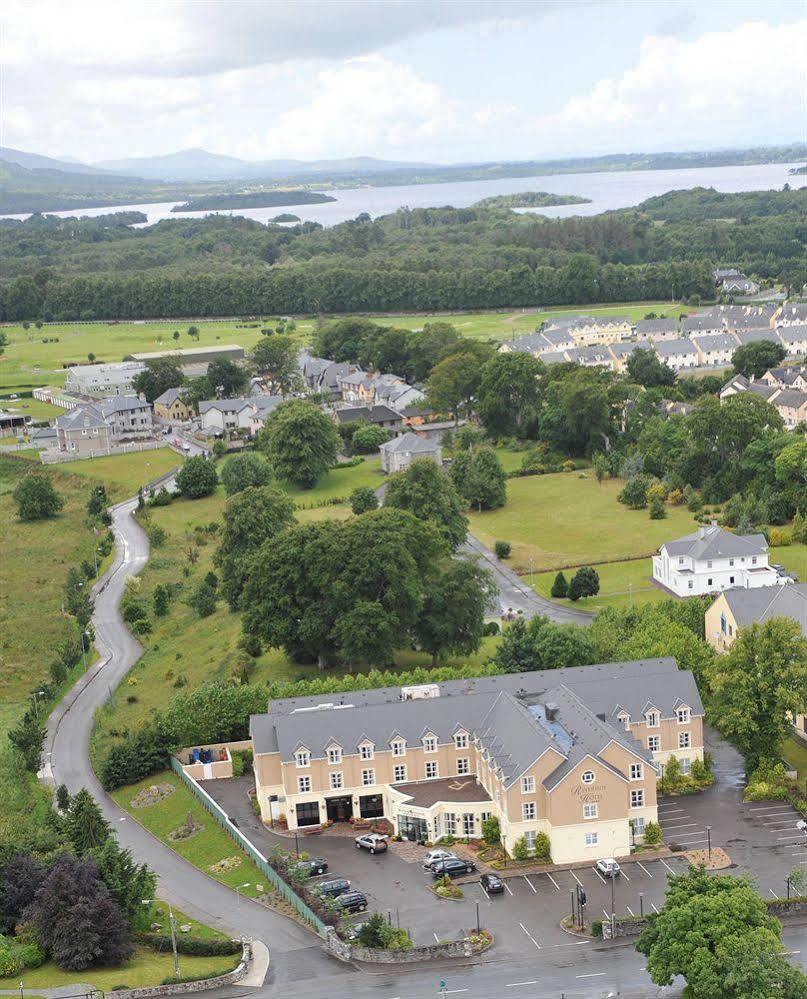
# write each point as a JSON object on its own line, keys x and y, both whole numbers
{"x": 781, "y": 839}
{"x": 670, "y": 869}
{"x": 530, "y": 883}
{"x": 668, "y": 811}
{"x": 654, "y": 907}
{"x": 576, "y": 878}
{"x": 630, "y": 911}
{"x": 607, "y": 916}
{"x": 554, "y": 882}
{"x": 450, "y": 992}
{"x": 598, "y": 874}
{"x": 515, "y": 985}
{"x": 507, "y": 886}
{"x": 593, "y": 974}
{"x": 644, "y": 868}
{"x": 625, "y": 876}
{"x": 680, "y": 825}
{"x": 436, "y": 938}
{"x": 773, "y": 893}
{"x": 774, "y": 811}
{"x": 523, "y": 927}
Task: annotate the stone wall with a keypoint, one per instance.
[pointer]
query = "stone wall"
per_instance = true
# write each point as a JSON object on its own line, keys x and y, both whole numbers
{"x": 349, "y": 952}
{"x": 783, "y": 908}
{"x": 180, "y": 988}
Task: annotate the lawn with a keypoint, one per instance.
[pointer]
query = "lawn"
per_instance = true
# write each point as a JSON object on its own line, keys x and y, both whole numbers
{"x": 207, "y": 847}
{"x": 124, "y": 474}
{"x": 568, "y": 519}
{"x": 621, "y": 584}
{"x": 34, "y": 408}
{"x": 147, "y": 967}
{"x": 795, "y": 752}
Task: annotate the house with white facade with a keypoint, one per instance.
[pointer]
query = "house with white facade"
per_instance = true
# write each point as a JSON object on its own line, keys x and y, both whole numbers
{"x": 794, "y": 338}
{"x": 715, "y": 350}
{"x": 127, "y": 416}
{"x": 792, "y": 314}
{"x": 713, "y": 559}
{"x": 399, "y": 453}
{"x": 657, "y": 329}
{"x": 101, "y": 381}
{"x": 677, "y": 354}
{"x": 225, "y": 415}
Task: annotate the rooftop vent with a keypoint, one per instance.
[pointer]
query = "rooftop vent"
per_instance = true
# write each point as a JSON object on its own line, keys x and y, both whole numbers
{"x": 329, "y": 706}
{"x": 420, "y": 692}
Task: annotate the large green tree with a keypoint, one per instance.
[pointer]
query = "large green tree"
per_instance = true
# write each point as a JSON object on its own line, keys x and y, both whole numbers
{"x": 197, "y": 477}
{"x": 244, "y": 470}
{"x": 715, "y": 932}
{"x": 454, "y": 382}
{"x": 430, "y": 495}
{"x": 36, "y": 498}
{"x": 161, "y": 374}
{"x": 453, "y": 616}
{"x": 86, "y": 827}
{"x": 754, "y": 359}
{"x": 227, "y": 379}
{"x": 510, "y": 394}
{"x": 251, "y": 517}
{"x": 275, "y": 358}
{"x": 761, "y": 678}
{"x": 480, "y": 478}
{"x": 645, "y": 368}
{"x": 300, "y": 441}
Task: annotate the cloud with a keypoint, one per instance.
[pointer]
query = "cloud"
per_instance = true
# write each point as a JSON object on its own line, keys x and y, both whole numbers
{"x": 680, "y": 89}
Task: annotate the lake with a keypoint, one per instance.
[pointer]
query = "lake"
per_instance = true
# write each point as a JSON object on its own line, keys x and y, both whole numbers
{"x": 608, "y": 191}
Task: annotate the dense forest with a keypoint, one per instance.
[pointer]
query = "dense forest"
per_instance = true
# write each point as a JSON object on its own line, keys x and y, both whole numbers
{"x": 531, "y": 199}
{"x": 418, "y": 259}
{"x": 255, "y": 199}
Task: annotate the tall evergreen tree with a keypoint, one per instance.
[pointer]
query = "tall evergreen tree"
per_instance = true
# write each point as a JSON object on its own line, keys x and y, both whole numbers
{"x": 86, "y": 827}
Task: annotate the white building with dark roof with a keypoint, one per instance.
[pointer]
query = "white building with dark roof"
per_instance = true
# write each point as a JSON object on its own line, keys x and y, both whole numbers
{"x": 713, "y": 559}
{"x": 399, "y": 453}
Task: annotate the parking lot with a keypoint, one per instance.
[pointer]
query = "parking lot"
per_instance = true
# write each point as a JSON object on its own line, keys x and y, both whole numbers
{"x": 761, "y": 839}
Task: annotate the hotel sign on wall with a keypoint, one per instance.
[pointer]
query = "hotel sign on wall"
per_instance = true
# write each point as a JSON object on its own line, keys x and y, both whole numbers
{"x": 589, "y": 793}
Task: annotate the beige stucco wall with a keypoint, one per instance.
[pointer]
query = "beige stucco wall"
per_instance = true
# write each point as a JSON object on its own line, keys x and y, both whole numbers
{"x": 714, "y": 635}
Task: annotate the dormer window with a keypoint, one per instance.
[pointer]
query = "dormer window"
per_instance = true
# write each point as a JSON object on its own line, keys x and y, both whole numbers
{"x": 366, "y": 750}
{"x": 625, "y": 720}
{"x": 334, "y": 754}
{"x": 652, "y": 719}
{"x": 429, "y": 743}
{"x": 683, "y": 715}
{"x": 398, "y": 747}
{"x": 461, "y": 740}
{"x": 302, "y": 758}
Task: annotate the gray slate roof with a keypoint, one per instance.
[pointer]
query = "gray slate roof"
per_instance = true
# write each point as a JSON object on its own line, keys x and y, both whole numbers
{"x": 411, "y": 442}
{"x": 791, "y": 334}
{"x": 713, "y": 542}
{"x": 372, "y": 414}
{"x": 765, "y": 602}
{"x": 717, "y": 341}
{"x": 792, "y": 398}
{"x": 80, "y": 417}
{"x": 170, "y": 396}
{"x": 674, "y": 348}
{"x": 646, "y": 327}
{"x": 756, "y": 335}
{"x": 122, "y": 404}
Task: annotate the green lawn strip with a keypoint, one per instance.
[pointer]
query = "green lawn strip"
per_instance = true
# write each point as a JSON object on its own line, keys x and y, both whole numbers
{"x": 207, "y": 847}
{"x": 147, "y": 967}
{"x": 792, "y": 557}
{"x": 568, "y": 519}
{"x": 621, "y": 584}
{"x": 158, "y": 913}
{"x": 34, "y": 408}
{"x": 794, "y": 751}
{"x": 338, "y": 483}
{"x": 124, "y": 474}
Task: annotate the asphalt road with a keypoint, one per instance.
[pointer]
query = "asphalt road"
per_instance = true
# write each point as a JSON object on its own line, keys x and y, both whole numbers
{"x": 298, "y": 965}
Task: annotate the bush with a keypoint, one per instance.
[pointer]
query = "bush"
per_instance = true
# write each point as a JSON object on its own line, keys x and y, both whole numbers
{"x": 162, "y": 498}
{"x": 542, "y": 847}
{"x": 560, "y": 588}
{"x": 250, "y": 644}
{"x": 156, "y": 535}
{"x": 596, "y": 928}
{"x": 245, "y": 470}
{"x": 520, "y": 849}
{"x": 192, "y": 946}
{"x": 634, "y": 493}
{"x": 197, "y": 478}
{"x": 363, "y": 499}
{"x": 652, "y": 833}
{"x": 491, "y": 831}
{"x": 203, "y": 599}
{"x": 778, "y": 536}
{"x": 503, "y": 549}
{"x": 36, "y": 498}
{"x": 657, "y": 509}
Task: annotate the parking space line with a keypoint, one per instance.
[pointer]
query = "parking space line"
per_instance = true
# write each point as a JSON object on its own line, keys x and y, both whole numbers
{"x": 593, "y": 974}
{"x": 554, "y": 882}
{"x": 507, "y": 886}
{"x": 630, "y": 911}
{"x": 530, "y": 883}
{"x": 436, "y": 938}
{"x": 598, "y": 874}
{"x": 679, "y": 825}
{"x": 523, "y": 927}
{"x": 644, "y": 868}
{"x": 669, "y": 810}
{"x": 773, "y": 893}
{"x": 625, "y": 876}
{"x": 576, "y": 878}
{"x": 654, "y": 907}
{"x": 515, "y": 985}
{"x": 607, "y": 915}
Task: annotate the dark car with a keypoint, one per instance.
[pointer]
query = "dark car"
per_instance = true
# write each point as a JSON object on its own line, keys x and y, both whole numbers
{"x": 333, "y": 887}
{"x": 453, "y": 868}
{"x": 352, "y": 901}
{"x": 492, "y": 884}
{"x": 312, "y": 866}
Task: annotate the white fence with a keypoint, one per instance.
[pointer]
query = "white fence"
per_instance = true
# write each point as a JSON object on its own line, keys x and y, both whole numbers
{"x": 53, "y": 457}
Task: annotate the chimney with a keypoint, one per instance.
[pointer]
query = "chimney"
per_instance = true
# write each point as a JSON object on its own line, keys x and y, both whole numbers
{"x": 701, "y": 532}
{"x": 714, "y": 523}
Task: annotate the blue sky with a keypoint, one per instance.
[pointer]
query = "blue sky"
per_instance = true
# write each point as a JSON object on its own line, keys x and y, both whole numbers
{"x": 403, "y": 79}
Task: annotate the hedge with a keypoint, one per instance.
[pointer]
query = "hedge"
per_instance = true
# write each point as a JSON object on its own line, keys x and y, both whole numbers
{"x": 192, "y": 946}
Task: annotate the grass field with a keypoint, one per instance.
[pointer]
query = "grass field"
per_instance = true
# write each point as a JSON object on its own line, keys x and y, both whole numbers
{"x": 621, "y": 584}
{"x": 795, "y": 752}
{"x": 34, "y": 408}
{"x": 124, "y": 474}
{"x": 147, "y": 967}
{"x": 29, "y": 362}
{"x": 568, "y": 519}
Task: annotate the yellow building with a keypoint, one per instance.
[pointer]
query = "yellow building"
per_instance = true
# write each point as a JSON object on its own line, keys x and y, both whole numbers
{"x": 572, "y": 753}
{"x": 171, "y": 406}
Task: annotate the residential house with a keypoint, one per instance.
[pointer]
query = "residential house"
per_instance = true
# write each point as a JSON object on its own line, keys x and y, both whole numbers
{"x": 702, "y": 324}
{"x": 399, "y": 453}
{"x": 620, "y": 352}
{"x": 794, "y": 338}
{"x": 791, "y": 404}
{"x": 712, "y": 559}
{"x": 657, "y": 329}
{"x": 173, "y": 406}
{"x": 532, "y": 343}
{"x": 220, "y": 416}
{"x": 102, "y": 381}
{"x": 127, "y": 417}
{"x": 735, "y": 385}
{"x": 735, "y": 609}
{"x": 792, "y": 314}
{"x": 192, "y": 355}
{"x": 590, "y": 331}
{"x": 715, "y": 350}
{"x": 591, "y": 357}
{"x": 756, "y": 334}
{"x": 572, "y": 753}
{"x": 378, "y": 416}
{"x": 786, "y": 377}
{"x": 83, "y": 430}
{"x": 678, "y": 354}
{"x": 739, "y": 285}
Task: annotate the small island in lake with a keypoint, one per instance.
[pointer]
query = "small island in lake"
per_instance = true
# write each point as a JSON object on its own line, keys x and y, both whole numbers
{"x": 255, "y": 199}
{"x": 531, "y": 199}
{"x": 286, "y": 217}
{"x": 796, "y": 171}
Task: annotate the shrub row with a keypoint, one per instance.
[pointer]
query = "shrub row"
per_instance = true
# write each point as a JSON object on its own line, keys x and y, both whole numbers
{"x": 192, "y": 946}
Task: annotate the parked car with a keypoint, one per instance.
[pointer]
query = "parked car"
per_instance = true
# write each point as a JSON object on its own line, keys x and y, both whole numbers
{"x": 453, "y": 868}
{"x": 352, "y": 901}
{"x": 333, "y": 887}
{"x": 373, "y": 842}
{"x": 353, "y": 931}
{"x": 435, "y": 856}
{"x": 609, "y": 868}
{"x": 312, "y": 866}
{"x": 492, "y": 884}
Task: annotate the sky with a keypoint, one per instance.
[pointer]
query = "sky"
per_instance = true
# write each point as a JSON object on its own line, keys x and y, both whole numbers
{"x": 415, "y": 80}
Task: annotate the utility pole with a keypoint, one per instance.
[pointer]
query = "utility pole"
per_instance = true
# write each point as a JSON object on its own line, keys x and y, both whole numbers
{"x": 155, "y": 901}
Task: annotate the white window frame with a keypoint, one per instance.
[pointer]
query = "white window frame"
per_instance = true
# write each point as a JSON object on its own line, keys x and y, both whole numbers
{"x": 654, "y": 743}
{"x": 530, "y": 836}
{"x": 304, "y": 784}
{"x": 637, "y": 797}
{"x": 334, "y": 755}
{"x": 684, "y": 740}
{"x": 592, "y": 839}
{"x": 451, "y": 823}
{"x": 528, "y": 785}
{"x": 398, "y": 747}
{"x": 529, "y": 811}
{"x": 367, "y": 751}
{"x": 625, "y": 719}
{"x": 653, "y": 719}
{"x": 588, "y": 777}
{"x": 590, "y": 810}
{"x": 683, "y": 716}
{"x": 399, "y": 773}
{"x": 636, "y": 771}
{"x": 337, "y": 780}
{"x": 302, "y": 759}
{"x": 461, "y": 740}
{"x": 463, "y": 766}
{"x": 429, "y": 743}
{"x": 368, "y": 778}
{"x": 432, "y": 769}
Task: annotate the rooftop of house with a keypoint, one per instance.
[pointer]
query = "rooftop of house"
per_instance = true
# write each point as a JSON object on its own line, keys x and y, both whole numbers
{"x": 763, "y": 602}
{"x": 715, "y": 542}
{"x": 371, "y": 414}
{"x": 411, "y": 442}
{"x": 673, "y": 348}
{"x": 791, "y": 334}
{"x": 756, "y": 335}
{"x": 792, "y": 398}
{"x": 82, "y": 417}
{"x": 169, "y": 397}
{"x": 647, "y": 326}
{"x": 739, "y": 383}
{"x": 424, "y": 794}
{"x": 122, "y": 404}
{"x": 715, "y": 342}
{"x": 191, "y": 353}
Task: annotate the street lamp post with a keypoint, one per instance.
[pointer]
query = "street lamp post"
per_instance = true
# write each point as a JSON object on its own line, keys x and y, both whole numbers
{"x": 641, "y": 904}
{"x": 296, "y": 844}
{"x": 478, "y": 929}
{"x": 36, "y": 695}
{"x": 155, "y": 901}
{"x": 613, "y": 905}
{"x": 709, "y": 841}
{"x": 238, "y": 889}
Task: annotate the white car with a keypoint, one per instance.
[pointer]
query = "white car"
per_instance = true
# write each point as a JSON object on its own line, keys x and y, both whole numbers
{"x": 609, "y": 868}
{"x": 374, "y": 842}
{"x": 435, "y": 856}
